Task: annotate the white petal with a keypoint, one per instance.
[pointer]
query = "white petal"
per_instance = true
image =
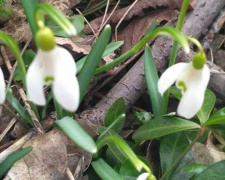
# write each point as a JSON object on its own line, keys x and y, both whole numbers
{"x": 34, "y": 82}
{"x": 2, "y": 87}
{"x": 193, "y": 98}
{"x": 143, "y": 176}
{"x": 66, "y": 92}
{"x": 170, "y": 76}
{"x": 65, "y": 86}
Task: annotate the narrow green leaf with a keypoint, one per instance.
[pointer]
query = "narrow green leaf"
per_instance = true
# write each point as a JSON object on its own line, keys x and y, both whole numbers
{"x": 104, "y": 171}
{"x": 215, "y": 171}
{"x": 208, "y": 105}
{"x": 109, "y": 49}
{"x": 117, "y": 152}
{"x": 29, "y": 7}
{"x": 116, "y": 115}
{"x": 18, "y": 108}
{"x": 77, "y": 134}
{"x": 92, "y": 61}
{"x": 152, "y": 82}
{"x": 162, "y": 126}
{"x": 171, "y": 147}
{"x": 12, "y": 158}
{"x": 124, "y": 147}
{"x": 217, "y": 118}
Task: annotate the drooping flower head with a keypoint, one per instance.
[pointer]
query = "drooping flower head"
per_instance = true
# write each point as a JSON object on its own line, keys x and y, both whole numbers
{"x": 146, "y": 176}
{"x": 192, "y": 78}
{"x": 52, "y": 65}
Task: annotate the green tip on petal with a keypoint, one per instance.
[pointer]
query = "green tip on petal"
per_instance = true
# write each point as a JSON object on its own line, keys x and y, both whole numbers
{"x": 199, "y": 60}
{"x": 181, "y": 85}
{"x": 45, "y": 39}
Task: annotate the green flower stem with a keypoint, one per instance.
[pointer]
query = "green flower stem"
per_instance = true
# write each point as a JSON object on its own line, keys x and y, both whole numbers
{"x": 173, "y": 55}
{"x": 197, "y": 43}
{"x": 166, "y": 30}
{"x": 13, "y": 46}
{"x": 29, "y": 7}
{"x": 181, "y": 156}
{"x": 54, "y": 14}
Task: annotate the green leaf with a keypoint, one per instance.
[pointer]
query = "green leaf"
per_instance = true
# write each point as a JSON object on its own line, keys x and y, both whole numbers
{"x": 175, "y": 92}
{"x": 208, "y": 105}
{"x": 77, "y": 134}
{"x": 215, "y": 171}
{"x": 11, "y": 159}
{"x": 152, "y": 82}
{"x": 171, "y": 147}
{"x": 196, "y": 168}
{"x": 76, "y": 21}
{"x": 116, "y": 115}
{"x": 92, "y": 61}
{"x": 217, "y": 118}
{"x": 162, "y": 126}
{"x": 109, "y": 49}
{"x": 27, "y": 58}
{"x": 104, "y": 171}
{"x": 17, "y": 107}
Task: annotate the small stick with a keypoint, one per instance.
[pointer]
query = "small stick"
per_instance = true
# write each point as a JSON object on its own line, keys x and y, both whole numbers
{"x": 11, "y": 123}
{"x": 87, "y": 22}
{"x": 69, "y": 174}
{"x": 131, "y": 6}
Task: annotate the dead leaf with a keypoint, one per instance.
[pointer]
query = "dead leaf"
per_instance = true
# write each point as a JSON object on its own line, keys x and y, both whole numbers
{"x": 49, "y": 158}
{"x": 137, "y": 28}
{"x": 207, "y": 154}
{"x": 137, "y": 11}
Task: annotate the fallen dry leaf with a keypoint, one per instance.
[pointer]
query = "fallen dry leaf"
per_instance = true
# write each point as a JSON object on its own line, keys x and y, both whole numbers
{"x": 137, "y": 11}
{"x": 137, "y": 28}
{"x": 49, "y": 158}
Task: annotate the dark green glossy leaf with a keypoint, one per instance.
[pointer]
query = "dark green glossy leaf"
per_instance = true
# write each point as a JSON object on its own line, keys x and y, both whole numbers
{"x": 12, "y": 158}
{"x": 162, "y": 126}
{"x": 171, "y": 148}
{"x": 196, "y": 168}
{"x": 215, "y": 171}
{"x": 208, "y": 105}
{"x": 127, "y": 169}
{"x": 115, "y": 116}
{"x": 152, "y": 78}
{"x": 104, "y": 171}
{"x": 77, "y": 134}
{"x": 217, "y": 118}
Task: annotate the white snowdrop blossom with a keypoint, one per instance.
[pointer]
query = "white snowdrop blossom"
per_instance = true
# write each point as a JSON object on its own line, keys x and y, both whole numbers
{"x": 192, "y": 79}
{"x": 2, "y": 87}
{"x": 53, "y": 65}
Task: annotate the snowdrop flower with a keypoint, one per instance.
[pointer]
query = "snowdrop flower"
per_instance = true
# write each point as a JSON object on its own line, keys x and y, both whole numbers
{"x": 192, "y": 78}
{"x": 53, "y": 65}
{"x": 2, "y": 87}
{"x": 146, "y": 176}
